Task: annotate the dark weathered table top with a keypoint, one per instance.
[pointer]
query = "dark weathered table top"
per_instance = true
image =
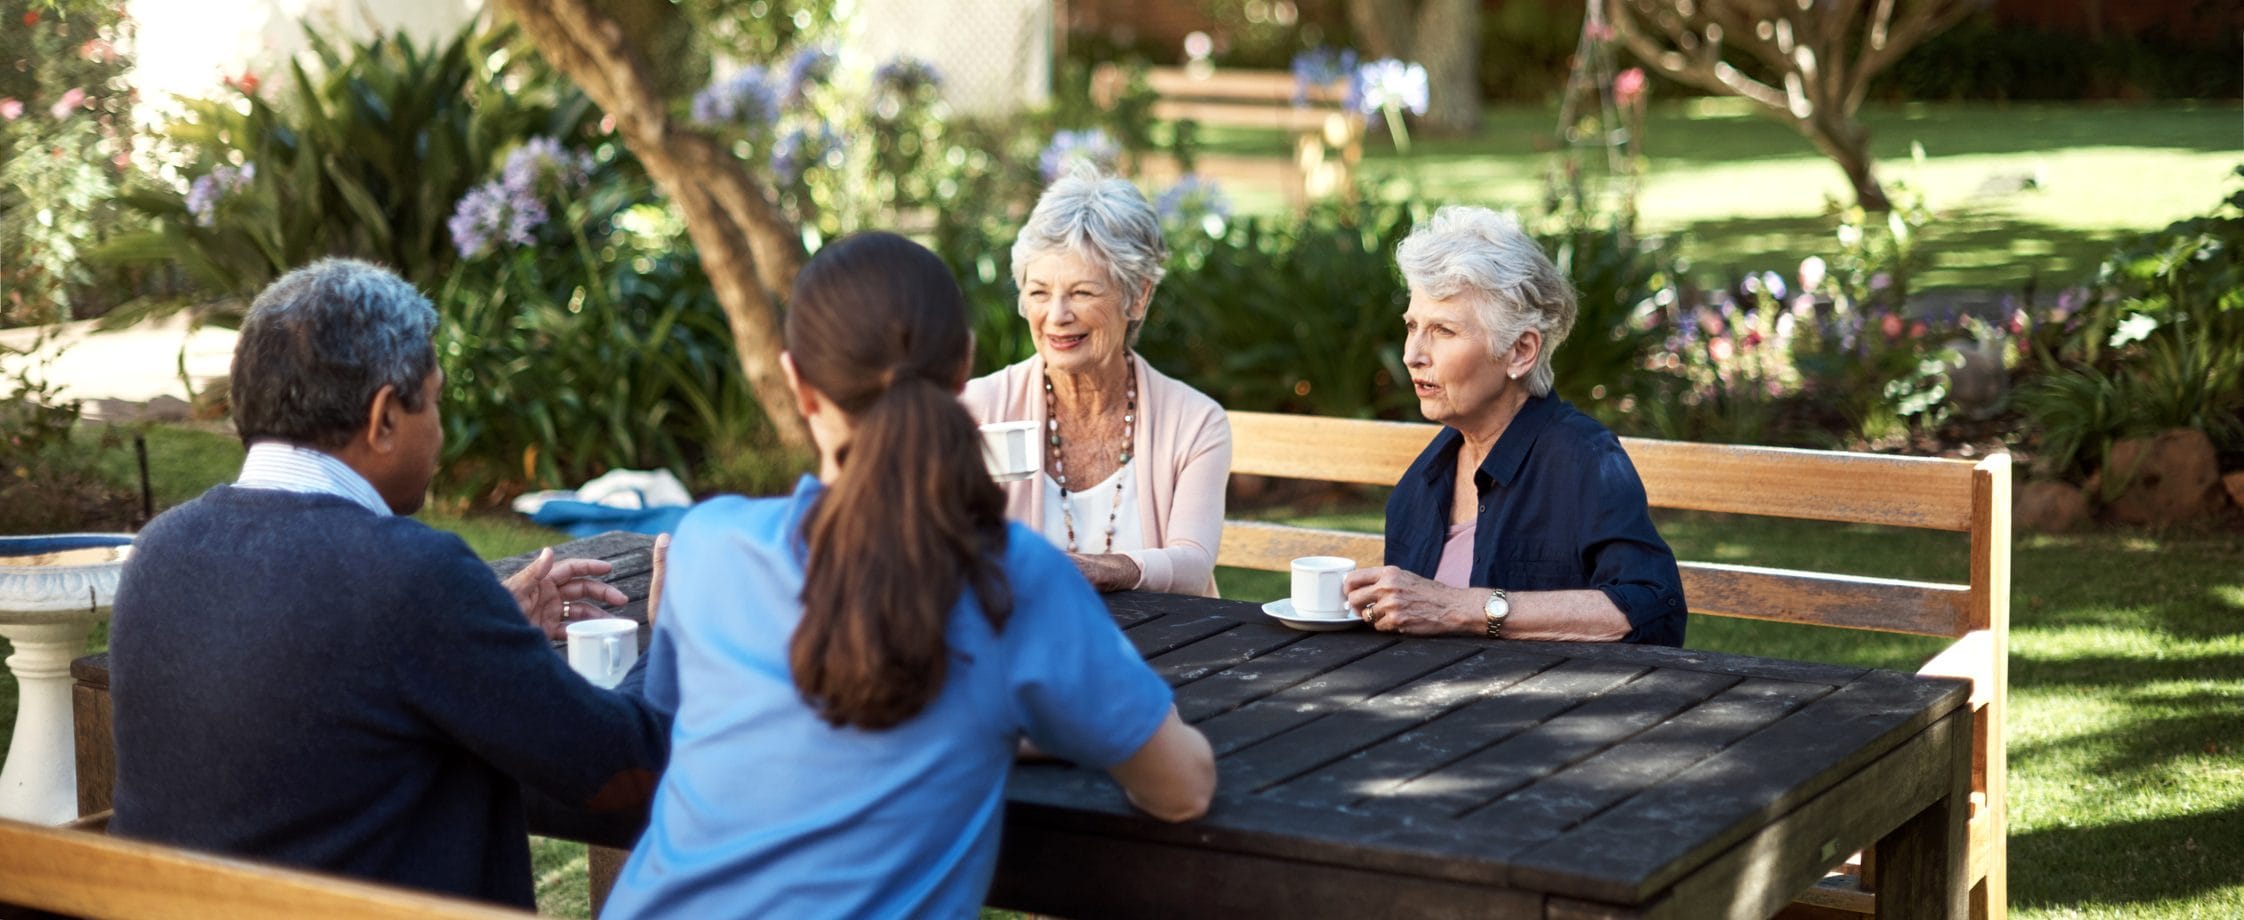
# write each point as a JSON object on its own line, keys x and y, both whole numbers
{"x": 1601, "y": 772}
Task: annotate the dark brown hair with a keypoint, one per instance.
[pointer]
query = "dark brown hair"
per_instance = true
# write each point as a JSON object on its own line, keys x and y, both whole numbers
{"x": 878, "y": 327}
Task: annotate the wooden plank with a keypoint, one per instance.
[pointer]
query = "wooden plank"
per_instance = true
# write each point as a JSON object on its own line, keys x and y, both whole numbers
{"x": 1398, "y": 736}
{"x": 95, "y": 740}
{"x": 1547, "y": 807}
{"x": 1260, "y": 677}
{"x": 90, "y": 875}
{"x": 1550, "y": 745}
{"x": 1655, "y": 840}
{"x": 1274, "y": 547}
{"x": 1217, "y": 652}
{"x": 1069, "y": 873}
{"x": 1817, "y": 485}
{"x": 1889, "y": 804}
{"x": 1335, "y": 691}
{"x": 1990, "y": 582}
{"x": 1167, "y": 633}
{"x": 1303, "y": 447}
{"x": 1692, "y": 659}
{"x": 1849, "y": 601}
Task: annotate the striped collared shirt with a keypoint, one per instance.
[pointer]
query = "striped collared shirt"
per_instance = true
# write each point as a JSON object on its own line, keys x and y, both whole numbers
{"x": 290, "y": 468}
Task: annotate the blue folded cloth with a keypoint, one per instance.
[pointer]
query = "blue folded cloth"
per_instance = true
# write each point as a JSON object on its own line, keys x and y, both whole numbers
{"x": 584, "y": 519}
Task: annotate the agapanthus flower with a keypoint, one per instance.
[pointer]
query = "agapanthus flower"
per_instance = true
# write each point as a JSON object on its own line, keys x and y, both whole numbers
{"x": 798, "y": 149}
{"x": 1389, "y": 82}
{"x": 492, "y": 213}
{"x": 204, "y": 194}
{"x": 1194, "y": 201}
{"x": 1319, "y": 67}
{"x": 542, "y": 163}
{"x": 1069, "y": 148}
{"x": 751, "y": 96}
{"x": 809, "y": 67}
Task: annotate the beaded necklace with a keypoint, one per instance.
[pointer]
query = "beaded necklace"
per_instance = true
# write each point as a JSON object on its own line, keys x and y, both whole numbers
{"x": 1059, "y": 457}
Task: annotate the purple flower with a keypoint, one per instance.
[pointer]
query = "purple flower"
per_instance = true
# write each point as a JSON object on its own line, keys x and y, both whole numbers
{"x": 541, "y": 163}
{"x": 751, "y": 96}
{"x": 799, "y": 149}
{"x": 1389, "y": 82}
{"x": 809, "y": 67}
{"x": 204, "y": 194}
{"x": 491, "y": 213}
{"x": 1319, "y": 67}
{"x": 905, "y": 74}
{"x": 1774, "y": 284}
{"x": 1194, "y": 200}
{"x": 1069, "y": 148}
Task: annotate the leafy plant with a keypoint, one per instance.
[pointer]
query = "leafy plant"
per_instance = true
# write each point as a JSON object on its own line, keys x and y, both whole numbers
{"x": 65, "y": 145}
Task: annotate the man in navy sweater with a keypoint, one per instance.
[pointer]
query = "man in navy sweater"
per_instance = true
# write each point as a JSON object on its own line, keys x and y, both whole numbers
{"x": 302, "y": 674}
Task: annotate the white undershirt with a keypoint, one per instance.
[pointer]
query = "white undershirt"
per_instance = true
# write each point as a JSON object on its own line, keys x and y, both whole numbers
{"x": 1091, "y": 508}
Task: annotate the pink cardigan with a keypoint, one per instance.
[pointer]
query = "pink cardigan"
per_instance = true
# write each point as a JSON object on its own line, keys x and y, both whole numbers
{"x": 1182, "y": 458}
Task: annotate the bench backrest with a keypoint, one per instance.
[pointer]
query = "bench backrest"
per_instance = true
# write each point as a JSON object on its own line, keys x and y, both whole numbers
{"x": 1959, "y": 496}
{"x": 83, "y": 874}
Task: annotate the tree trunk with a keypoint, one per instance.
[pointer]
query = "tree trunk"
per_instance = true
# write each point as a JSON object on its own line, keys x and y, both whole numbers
{"x": 1848, "y": 145}
{"x": 1383, "y": 26}
{"x": 749, "y": 251}
{"x": 1448, "y": 45}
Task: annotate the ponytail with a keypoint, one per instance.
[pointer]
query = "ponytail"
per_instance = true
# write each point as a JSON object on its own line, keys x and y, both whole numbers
{"x": 912, "y": 519}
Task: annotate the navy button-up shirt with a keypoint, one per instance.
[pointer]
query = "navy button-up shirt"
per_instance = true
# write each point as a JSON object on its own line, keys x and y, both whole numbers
{"x": 1561, "y": 508}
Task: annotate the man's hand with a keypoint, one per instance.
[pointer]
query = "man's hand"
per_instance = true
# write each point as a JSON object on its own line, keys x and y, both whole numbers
{"x": 553, "y": 593}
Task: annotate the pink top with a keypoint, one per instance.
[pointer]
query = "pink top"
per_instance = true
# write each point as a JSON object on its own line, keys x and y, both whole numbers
{"x": 1182, "y": 459}
{"x": 1456, "y": 568}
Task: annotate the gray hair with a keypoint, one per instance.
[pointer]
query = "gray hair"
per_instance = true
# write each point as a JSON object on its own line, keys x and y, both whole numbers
{"x": 1103, "y": 220}
{"x": 319, "y": 343}
{"x": 1485, "y": 257}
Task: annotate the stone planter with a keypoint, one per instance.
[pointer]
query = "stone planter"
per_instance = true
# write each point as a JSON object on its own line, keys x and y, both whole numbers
{"x": 52, "y": 591}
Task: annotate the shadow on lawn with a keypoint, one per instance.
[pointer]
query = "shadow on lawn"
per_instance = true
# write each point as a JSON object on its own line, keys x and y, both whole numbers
{"x": 1965, "y": 249}
{"x": 2175, "y": 858}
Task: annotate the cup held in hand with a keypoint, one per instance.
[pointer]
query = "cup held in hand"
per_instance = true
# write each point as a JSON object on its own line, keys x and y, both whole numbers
{"x": 1317, "y": 587}
{"x": 1010, "y": 450}
{"x": 603, "y": 650}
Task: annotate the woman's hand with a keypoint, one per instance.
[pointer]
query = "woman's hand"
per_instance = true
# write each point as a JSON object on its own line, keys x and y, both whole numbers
{"x": 553, "y": 594}
{"x": 1108, "y": 571}
{"x": 1395, "y": 600}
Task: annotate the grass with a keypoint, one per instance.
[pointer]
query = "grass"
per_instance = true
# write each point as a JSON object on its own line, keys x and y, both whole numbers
{"x": 1744, "y": 192}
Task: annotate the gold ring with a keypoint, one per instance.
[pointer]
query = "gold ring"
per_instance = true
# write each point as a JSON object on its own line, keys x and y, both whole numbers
{"x": 565, "y": 605}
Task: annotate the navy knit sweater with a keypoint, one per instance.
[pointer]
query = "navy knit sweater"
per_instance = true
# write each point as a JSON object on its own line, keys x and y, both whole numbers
{"x": 300, "y": 680}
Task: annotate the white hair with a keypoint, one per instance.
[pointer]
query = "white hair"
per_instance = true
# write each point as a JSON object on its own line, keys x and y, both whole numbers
{"x": 1485, "y": 258}
{"x": 1102, "y": 220}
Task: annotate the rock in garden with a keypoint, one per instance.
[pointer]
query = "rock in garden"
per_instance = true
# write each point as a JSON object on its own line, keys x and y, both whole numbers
{"x": 2048, "y": 506}
{"x": 2170, "y": 478}
{"x": 2235, "y": 483}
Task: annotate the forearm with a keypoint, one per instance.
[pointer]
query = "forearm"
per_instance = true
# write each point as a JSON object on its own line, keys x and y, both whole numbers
{"x": 1108, "y": 571}
{"x": 1564, "y": 616}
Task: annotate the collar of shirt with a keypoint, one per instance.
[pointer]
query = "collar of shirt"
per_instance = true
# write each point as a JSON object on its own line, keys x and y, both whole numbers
{"x": 1503, "y": 463}
{"x": 293, "y": 468}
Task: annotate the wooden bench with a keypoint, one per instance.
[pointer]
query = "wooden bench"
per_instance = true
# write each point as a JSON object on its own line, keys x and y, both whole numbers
{"x": 1948, "y": 495}
{"x": 1327, "y": 139}
{"x": 78, "y": 872}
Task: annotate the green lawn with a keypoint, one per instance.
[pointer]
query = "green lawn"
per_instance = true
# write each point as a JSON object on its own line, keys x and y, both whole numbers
{"x": 1748, "y": 193}
{"x": 2127, "y": 671}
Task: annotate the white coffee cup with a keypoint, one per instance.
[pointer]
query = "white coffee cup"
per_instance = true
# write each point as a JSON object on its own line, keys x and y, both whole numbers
{"x": 1316, "y": 585}
{"x": 1010, "y": 450}
{"x": 603, "y": 650}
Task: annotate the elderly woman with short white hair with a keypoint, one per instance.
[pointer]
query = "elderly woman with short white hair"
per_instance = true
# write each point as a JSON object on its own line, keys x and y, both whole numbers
{"x": 1135, "y": 461}
{"x": 1524, "y": 518}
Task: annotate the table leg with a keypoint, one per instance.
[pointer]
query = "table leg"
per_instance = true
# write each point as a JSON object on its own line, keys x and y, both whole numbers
{"x": 39, "y": 783}
{"x": 1923, "y": 866}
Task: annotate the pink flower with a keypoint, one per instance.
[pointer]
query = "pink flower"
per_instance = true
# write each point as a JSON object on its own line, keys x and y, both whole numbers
{"x": 1628, "y": 87}
{"x": 70, "y": 102}
{"x": 1721, "y": 350}
{"x": 1917, "y": 329}
{"x": 11, "y": 108}
{"x": 1891, "y": 326}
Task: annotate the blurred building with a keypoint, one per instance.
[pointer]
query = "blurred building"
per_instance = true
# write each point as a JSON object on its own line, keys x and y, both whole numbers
{"x": 195, "y": 48}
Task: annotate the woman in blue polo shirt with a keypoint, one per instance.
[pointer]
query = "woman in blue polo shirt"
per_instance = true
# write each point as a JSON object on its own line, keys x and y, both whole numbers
{"x": 854, "y": 666}
{"x": 1523, "y": 519}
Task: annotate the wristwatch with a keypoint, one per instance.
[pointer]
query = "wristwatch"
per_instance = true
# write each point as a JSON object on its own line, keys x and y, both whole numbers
{"x": 1498, "y": 608}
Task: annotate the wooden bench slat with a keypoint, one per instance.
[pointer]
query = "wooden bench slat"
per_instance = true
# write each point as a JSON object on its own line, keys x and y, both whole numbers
{"x": 89, "y": 875}
{"x": 1273, "y": 547}
{"x": 1358, "y": 451}
{"x": 1820, "y": 599}
{"x": 1816, "y": 485}
{"x": 1241, "y": 114}
{"x": 1274, "y": 86}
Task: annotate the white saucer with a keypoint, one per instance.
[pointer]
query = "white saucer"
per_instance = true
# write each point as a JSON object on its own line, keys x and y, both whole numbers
{"x": 1282, "y": 610}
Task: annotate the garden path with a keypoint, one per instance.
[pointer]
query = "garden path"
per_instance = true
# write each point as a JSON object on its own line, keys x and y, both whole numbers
{"x": 121, "y": 374}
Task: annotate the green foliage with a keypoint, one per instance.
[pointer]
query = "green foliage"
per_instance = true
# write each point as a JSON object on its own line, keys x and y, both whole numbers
{"x": 46, "y": 484}
{"x": 2158, "y": 342}
{"x": 1982, "y": 58}
{"x": 364, "y": 157}
{"x": 65, "y": 116}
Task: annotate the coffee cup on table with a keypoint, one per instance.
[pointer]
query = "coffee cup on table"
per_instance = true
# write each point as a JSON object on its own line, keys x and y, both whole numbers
{"x": 1317, "y": 587}
{"x": 1009, "y": 448}
{"x": 603, "y": 650}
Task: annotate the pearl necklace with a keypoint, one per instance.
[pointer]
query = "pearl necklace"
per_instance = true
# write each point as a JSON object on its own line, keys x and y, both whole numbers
{"x": 1059, "y": 457}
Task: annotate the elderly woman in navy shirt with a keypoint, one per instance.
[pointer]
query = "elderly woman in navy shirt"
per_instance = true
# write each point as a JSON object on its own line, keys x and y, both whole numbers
{"x": 1523, "y": 519}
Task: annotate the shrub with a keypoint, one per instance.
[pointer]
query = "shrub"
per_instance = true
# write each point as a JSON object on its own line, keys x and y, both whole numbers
{"x": 65, "y": 145}
{"x": 47, "y": 484}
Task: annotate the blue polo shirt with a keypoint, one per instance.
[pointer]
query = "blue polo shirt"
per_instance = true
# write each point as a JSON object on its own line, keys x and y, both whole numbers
{"x": 1561, "y": 508}
{"x": 768, "y": 811}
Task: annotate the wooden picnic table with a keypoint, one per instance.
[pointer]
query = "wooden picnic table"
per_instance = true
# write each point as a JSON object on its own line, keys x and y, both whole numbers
{"x": 1366, "y": 774}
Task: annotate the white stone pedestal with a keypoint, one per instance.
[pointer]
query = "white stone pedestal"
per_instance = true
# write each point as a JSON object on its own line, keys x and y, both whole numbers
{"x": 40, "y": 782}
